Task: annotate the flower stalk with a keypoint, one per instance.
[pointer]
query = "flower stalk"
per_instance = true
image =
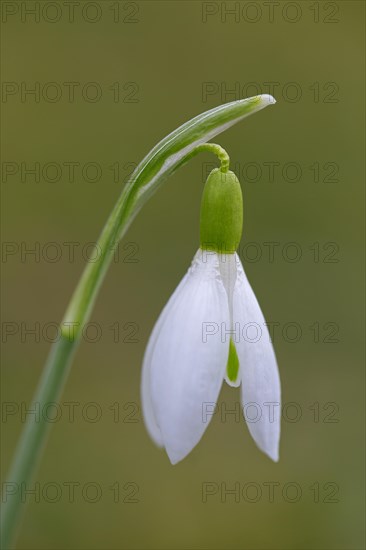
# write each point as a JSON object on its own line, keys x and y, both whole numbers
{"x": 163, "y": 160}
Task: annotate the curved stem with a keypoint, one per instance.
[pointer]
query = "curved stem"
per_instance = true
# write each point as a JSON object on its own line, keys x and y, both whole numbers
{"x": 216, "y": 150}
{"x": 163, "y": 160}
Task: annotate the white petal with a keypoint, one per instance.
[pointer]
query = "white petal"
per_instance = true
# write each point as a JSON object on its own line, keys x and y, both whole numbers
{"x": 147, "y": 406}
{"x": 261, "y": 391}
{"x": 188, "y": 360}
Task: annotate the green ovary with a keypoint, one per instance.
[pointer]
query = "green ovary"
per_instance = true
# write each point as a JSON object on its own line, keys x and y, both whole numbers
{"x": 221, "y": 213}
{"x": 232, "y": 367}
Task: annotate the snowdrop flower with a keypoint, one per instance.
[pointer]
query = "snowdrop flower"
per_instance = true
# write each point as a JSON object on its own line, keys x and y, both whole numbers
{"x": 201, "y": 338}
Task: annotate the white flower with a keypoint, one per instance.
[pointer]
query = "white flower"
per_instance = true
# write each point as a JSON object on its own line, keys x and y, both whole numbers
{"x": 186, "y": 359}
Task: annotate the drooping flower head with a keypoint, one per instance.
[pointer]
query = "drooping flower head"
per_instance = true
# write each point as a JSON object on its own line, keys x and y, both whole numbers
{"x": 204, "y": 336}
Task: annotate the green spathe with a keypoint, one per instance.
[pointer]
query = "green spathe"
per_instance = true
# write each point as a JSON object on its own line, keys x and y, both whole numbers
{"x": 221, "y": 222}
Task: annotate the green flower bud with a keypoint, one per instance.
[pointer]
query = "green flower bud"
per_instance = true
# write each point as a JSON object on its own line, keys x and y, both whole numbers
{"x": 221, "y": 222}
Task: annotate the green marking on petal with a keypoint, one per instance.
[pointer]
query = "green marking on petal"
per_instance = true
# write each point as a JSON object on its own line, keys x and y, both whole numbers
{"x": 232, "y": 367}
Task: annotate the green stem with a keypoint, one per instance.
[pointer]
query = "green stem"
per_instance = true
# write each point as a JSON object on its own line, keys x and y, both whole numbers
{"x": 172, "y": 152}
{"x": 216, "y": 150}
{"x": 33, "y": 438}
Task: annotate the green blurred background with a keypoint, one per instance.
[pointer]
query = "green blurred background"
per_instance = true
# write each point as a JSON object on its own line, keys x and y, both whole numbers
{"x": 173, "y": 60}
